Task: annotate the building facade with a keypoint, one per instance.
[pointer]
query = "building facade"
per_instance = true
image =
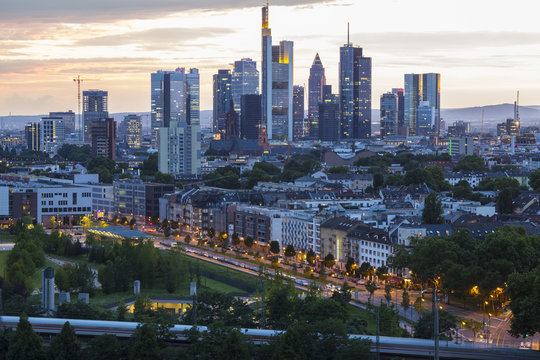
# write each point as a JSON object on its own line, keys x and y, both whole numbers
{"x": 316, "y": 83}
{"x": 103, "y": 137}
{"x": 95, "y": 107}
{"x": 222, "y": 82}
{"x": 131, "y": 131}
{"x": 422, "y": 90}
{"x": 389, "y": 114}
{"x": 298, "y": 112}
{"x": 245, "y": 81}
{"x": 69, "y": 120}
{"x": 250, "y": 116}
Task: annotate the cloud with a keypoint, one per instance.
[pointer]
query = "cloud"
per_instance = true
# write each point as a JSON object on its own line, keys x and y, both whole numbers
{"x": 104, "y": 10}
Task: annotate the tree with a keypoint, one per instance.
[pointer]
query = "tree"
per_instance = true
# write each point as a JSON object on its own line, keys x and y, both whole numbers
{"x": 534, "y": 180}
{"x": 235, "y": 239}
{"x": 462, "y": 190}
{"x": 289, "y": 251}
{"x": 149, "y": 167}
{"x": 329, "y": 261}
{"x": 471, "y": 162}
{"x": 423, "y": 329}
{"x": 144, "y": 343}
{"x": 65, "y": 346}
{"x": 162, "y": 178}
{"x": 274, "y": 247}
{"x": 338, "y": 170}
{"x": 378, "y": 180}
{"x": 310, "y": 257}
{"x": 248, "y": 241}
{"x": 524, "y": 292}
{"x": 405, "y": 300}
{"x": 103, "y": 347}
{"x": 370, "y": 287}
{"x": 187, "y": 239}
{"x": 387, "y": 293}
{"x": 24, "y": 343}
{"x": 432, "y": 213}
{"x": 505, "y": 203}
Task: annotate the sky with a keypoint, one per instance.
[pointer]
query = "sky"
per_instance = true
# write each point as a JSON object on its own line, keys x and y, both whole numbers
{"x": 484, "y": 50}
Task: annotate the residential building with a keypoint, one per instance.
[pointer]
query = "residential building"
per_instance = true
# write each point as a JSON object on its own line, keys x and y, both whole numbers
{"x": 131, "y": 131}
{"x": 317, "y": 81}
{"x": 334, "y": 234}
{"x": 463, "y": 145}
{"x": 153, "y": 192}
{"x": 245, "y": 81}
{"x": 250, "y": 116}
{"x": 32, "y": 135}
{"x": 389, "y": 115}
{"x": 262, "y": 224}
{"x": 302, "y": 229}
{"x": 95, "y": 107}
{"x": 51, "y": 134}
{"x": 103, "y": 137}
{"x": 222, "y": 101}
{"x": 368, "y": 245}
{"x": 298, "y": 112}
{"x": 354, "y": 93}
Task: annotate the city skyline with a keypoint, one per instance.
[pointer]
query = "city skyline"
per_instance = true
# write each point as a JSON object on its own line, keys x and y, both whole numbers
{"x": 42, "y": 49}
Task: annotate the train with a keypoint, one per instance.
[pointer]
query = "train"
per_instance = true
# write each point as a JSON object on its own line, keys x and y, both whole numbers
{"x": 386, "y": 345}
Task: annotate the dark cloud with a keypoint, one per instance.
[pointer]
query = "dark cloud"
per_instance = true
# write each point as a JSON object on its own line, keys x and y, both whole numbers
{"x": 156, "y": 37}
{"x": 105, "y": 10}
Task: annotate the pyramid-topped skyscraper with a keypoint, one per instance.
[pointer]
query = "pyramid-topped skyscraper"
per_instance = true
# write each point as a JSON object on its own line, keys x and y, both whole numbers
{"x": 317, "y": 80}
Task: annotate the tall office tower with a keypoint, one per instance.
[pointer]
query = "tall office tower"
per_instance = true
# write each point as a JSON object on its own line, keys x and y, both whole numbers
{"x": 277, "y": 86}
{"x": 298, "y": 112}
{"x": 222, "y": 101}
{"x": 103, "y": 135}
{"x": 32, "y": 133}
{"x": 431, "y": 93}
{"x": 180, "y": 141}
{"x": 95, "y": 107}
{"x": 355, "y": 92}
{"x": 422, "y": 87}
{"x": 401, "y": 126}
{"x": 317, "y": 81}
{"x": 425, "y": 115}
{"x": 47, "y": 289}
{"x": 250, "y": 116}
{"x": 329, "y": 114}
{"x": 245, "y": 81}
{"x": 389, "y": 114}
{"x": 51, "y": 134}
{"x": 168, "y": 91}
{"x": 69, "y": 120}
{"x": 131, "y": 131}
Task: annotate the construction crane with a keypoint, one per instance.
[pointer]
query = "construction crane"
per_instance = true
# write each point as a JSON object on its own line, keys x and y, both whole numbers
{"x": 78, "y": 80}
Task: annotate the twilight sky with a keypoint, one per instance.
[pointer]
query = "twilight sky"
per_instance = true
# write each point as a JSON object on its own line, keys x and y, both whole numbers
{"x": 484, "y": 49}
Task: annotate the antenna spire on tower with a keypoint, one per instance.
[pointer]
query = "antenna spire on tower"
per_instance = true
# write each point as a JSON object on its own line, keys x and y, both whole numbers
{"x": 348, "y": 42}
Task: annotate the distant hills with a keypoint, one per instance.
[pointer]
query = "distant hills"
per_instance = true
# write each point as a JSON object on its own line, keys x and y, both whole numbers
{"x": 493, "y": 114}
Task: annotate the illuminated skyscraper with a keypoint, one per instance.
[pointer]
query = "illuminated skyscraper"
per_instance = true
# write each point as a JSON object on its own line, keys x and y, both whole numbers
{"x": 103, "y": 135}
{"x": 298, "y": 112}
{"x": 277, "y": 85}
{"x": 180, "y": 140}
{"x": 355, "y": 93}
{"x": 245, "y": 81}
{"x": 401, "y": 126}
{"x": 317, "y": 81}
{"x": 95, "y": 107}
{"x": 389, "y": 114}
{"x": 51, "y": 134}
{"x": 131, "y": 131}
{"x": 222, "y": 101}
{"x": 426, "y": 88}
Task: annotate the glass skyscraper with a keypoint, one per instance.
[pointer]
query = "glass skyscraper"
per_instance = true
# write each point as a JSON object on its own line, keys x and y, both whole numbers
{"x": 245, "y": 81}
{"x": 298, "y": 112}
{"x": 95, "y": 107}
{"x": 389, "y": 114}
{"x": 355, "y": 93}
{"x": 422, "y": 88}
{"x": 317, "y": 81}
{"x": 222, "y": 101}
{"x": 277, "y": 85}
{"x": 401, "y": 127}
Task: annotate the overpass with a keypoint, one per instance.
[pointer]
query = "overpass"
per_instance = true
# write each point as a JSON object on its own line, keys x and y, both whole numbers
{"x": 388, "y": 346}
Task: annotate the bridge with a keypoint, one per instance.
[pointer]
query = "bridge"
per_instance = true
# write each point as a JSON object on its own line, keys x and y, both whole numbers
{"x": 388, "y": 346}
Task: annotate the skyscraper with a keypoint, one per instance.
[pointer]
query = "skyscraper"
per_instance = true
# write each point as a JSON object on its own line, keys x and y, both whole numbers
{"x": 103, "y": 135}
{"x": 425, "y": 115}
{"x": 250, "y": 116}
{"x": 401, "y": 126}
{"x": 355, "y": 93}
{"x": 329, "y": 120}
{"x": 277, "y": 85}
{"x": 31, "y": 132}
{"x": 131, "y": 131}
{"x": 298, "y": 112}
{"x": 317, "y": 81}
{"x": 422, "y": 87}
{"x": 245, "y": 81}
{"x": 222, "y": 101}
{"x": 180, "y": 141}
{"x": 168, "y": 92}
{"x": 51, "y": 134}
{"x": 95, "y": 107}
{"x": 389, "y": 114}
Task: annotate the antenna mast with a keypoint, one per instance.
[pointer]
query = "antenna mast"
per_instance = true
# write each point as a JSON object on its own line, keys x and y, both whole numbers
{"x": 348, "y": 42}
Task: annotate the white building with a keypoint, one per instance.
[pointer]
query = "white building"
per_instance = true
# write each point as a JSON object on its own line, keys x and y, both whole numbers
{"x": 302, "y": 229}
{"x": 103, "y": 200}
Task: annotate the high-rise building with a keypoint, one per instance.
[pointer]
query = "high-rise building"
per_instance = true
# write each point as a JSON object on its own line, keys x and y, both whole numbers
{"x": 317, "y": 81}
{"x": 298, "y": 112}
{"x": 32, "y": 133}
{"x": 95, "y": 107}
{"x": 329, "y": 113}
{"x": 222, "y": 101}
{"x": 180, "y": 141}
{"x": 425, "y": 115}
{"x": 277, "y": 85}
{"x": 245, "y": 81}
{"x": 131, "y": 131}
{"x": 103, "y": 136}
{"x": 250, "y": 116}
{"x": 389, "y": 114}
{"x": 427, "y": 88}
{"x": 69, "y": 120}
{"x": 51, "y": 134}
{"x": 168, "y": 92}
{"x": 355, "y": 93}
{"x": 401, "y": 126}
